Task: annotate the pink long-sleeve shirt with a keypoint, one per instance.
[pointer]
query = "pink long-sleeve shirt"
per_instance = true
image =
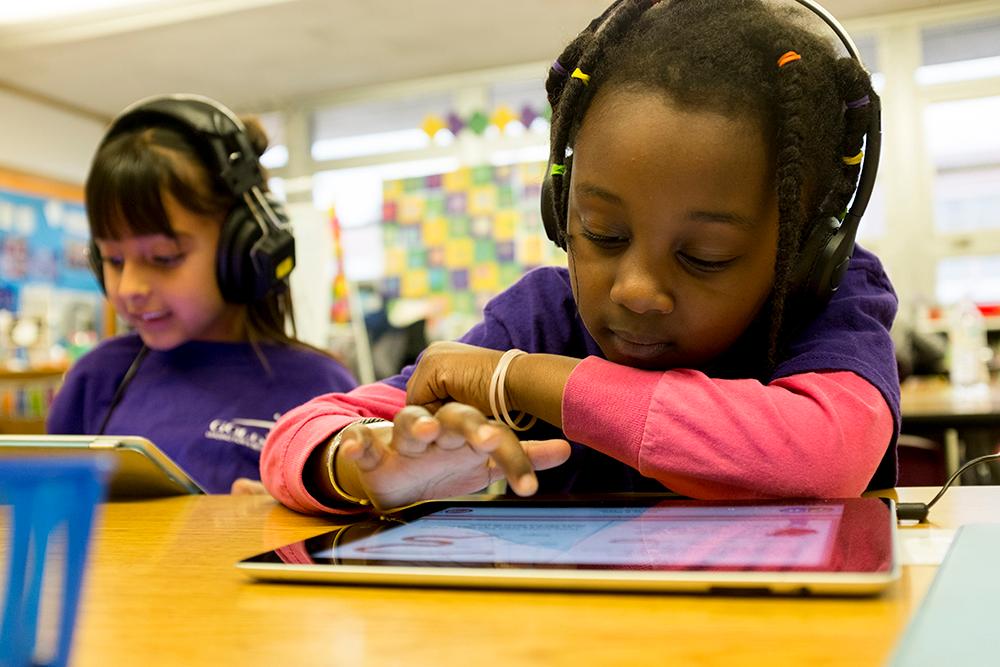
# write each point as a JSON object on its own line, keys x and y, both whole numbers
{"x": 809, "y": 435}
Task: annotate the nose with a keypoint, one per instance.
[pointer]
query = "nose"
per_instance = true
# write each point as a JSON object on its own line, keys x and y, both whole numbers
{"x": 133, "y": 283}
{"x": 642, "y": 285}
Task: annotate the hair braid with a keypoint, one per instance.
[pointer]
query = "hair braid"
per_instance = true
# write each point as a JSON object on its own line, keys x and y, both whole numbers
{"x": 855, "y": 87}
{"x": 568, "y": 96}
{"x": 791, "y": 216}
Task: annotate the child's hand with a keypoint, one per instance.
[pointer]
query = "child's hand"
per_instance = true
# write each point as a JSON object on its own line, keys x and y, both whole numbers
{"x": 247, "y": 487}
{"x": 450, "y": 371}
{"x": 453, "y": 452}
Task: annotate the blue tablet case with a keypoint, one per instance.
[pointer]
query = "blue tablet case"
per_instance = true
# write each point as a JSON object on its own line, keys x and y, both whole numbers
{"x": 957, "y": 623}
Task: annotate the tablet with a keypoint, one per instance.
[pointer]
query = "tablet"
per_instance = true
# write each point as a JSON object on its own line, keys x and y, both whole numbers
{"x": 632, "y": 542}
{"x": 141, "y": 470}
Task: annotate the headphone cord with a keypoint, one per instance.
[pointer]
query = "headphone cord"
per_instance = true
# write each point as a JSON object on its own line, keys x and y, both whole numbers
{"x": 120, "y": 390}
{"x": 918, "y": 511}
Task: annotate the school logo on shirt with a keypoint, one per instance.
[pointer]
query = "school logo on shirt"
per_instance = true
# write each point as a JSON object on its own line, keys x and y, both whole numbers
{"x": 246, "y": 432}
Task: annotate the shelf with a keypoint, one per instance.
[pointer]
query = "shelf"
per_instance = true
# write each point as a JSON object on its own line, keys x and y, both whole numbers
{"x": 941, "y": 325}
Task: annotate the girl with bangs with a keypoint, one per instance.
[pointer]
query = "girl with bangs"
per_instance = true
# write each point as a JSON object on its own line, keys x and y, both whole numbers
{"x": 208, "y": 364}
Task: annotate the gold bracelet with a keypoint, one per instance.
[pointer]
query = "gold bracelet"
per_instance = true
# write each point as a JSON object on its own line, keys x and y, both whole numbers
{"x": 331, "y": 463}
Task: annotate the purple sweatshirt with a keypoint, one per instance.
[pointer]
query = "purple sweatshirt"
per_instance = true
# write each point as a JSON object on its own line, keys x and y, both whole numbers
{"x": 209, "y": 406}
{"x": 823, "y": 423}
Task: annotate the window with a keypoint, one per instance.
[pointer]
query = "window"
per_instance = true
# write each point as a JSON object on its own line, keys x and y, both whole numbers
{"x": 975, "y": 277}
{"x": 276, "y": 155}
{"x": 375, "y": 128}
{"x": 960, "y": 52}
{"x": 966, "y": 159}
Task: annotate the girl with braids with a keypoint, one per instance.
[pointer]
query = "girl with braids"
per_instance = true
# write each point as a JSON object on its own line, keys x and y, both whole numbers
{"x": 205, "y": 371}
{"x": 677, "y": 351}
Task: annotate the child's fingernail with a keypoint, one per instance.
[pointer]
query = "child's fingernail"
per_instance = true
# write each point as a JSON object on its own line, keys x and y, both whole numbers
{"x": 485, "y": 432}
{"x": 527, "y": 485}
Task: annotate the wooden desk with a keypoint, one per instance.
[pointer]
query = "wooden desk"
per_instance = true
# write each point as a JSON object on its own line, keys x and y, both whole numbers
{"x": 964, "y": 421}
{"x": 934, "y": 400}
{"x": 161, "y": 589}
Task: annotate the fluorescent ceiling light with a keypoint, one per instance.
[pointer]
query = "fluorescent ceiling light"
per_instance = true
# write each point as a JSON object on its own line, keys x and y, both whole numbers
{"x": 41, "y": 10}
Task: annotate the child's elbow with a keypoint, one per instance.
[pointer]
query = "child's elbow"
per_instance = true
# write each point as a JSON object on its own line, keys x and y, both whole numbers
{"x": 844, "y": 469}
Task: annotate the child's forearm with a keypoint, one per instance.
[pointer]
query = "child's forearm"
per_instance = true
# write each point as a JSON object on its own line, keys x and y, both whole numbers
{"x": 536, "y": 382}
{"x": 809, "y": 435}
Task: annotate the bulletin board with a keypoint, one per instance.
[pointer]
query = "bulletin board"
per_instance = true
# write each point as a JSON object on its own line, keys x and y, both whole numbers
{"x": 45, "y": 276}
{"x": 43, "y": 239}
{"x": 460, "y": 238}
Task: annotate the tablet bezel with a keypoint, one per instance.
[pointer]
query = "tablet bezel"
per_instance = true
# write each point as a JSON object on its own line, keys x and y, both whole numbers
{"x": 293, "y": 562}
{"x": 141, "y": 470}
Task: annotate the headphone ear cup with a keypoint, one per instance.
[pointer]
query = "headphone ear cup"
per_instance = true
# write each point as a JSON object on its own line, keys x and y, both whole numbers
{"x": 234, "y": 260}
{"x": 96, "y": 264}
{"x": 823, "y": 261}
{"x": 249, "y": 264}
{"x": 555, "y": 228}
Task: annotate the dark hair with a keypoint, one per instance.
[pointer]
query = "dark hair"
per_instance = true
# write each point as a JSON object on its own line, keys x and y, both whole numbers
{"x": 124, "y": 197}
{"x": 720, "y": 55}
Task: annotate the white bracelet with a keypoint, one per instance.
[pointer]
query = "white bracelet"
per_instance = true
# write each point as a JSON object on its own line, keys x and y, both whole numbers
{"x": 498, "y": 394}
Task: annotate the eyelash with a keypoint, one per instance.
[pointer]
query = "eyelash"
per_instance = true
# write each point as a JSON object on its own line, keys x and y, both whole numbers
{"x": 604, "y": 241}
{"x": 705, "y": 266}
{"x": 613, "y": 242}
{"x": 168, "y": 260}
{"x": 163, "y": 261}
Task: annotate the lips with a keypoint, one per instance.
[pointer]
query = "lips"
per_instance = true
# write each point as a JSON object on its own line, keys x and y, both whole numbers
{"x": 639, "y": 338}
{"x": 641, "y": 348}
{"x": 149, "y": 316}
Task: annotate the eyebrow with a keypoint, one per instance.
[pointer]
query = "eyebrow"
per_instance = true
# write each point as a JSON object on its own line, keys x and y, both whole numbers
{"x": 724, "y": 217}
{"x": 727, "y": 217}
{"x": 591, "y": 190}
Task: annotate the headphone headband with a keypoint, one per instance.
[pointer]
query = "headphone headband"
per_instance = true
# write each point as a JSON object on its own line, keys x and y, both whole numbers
{"x": 256, "y": 248}
{"x": 219, "y": 134}
{"x": 873, "y": 134}
{"x": 829, "y": 244}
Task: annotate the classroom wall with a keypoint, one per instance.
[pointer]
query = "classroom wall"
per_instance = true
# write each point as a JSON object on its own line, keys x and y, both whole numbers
{"x": 40, "y": 139}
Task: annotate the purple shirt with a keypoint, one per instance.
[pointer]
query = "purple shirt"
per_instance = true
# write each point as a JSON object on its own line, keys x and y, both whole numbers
{"x": 539, "y": 314}
{"x": 207, "y": 405}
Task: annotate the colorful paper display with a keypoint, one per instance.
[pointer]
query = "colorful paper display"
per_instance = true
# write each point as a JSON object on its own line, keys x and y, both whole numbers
{"x": 460, "y": 238}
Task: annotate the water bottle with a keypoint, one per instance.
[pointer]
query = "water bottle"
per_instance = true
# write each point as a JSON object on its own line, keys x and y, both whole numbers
{"x": 969, "y": 372}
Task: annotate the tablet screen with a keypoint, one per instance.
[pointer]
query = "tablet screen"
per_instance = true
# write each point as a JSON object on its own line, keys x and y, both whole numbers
{"x": 818, "y": 536}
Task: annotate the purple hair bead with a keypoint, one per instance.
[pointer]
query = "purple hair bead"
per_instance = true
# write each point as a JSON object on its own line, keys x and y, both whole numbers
{"x": 858, "y": 103}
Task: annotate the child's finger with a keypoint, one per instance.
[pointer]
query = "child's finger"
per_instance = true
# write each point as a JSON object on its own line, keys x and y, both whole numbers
{"x": 415, "y": 429}
{"x": 461, "y": 424}
{"x": 545, "y": 454}
{"x": 361, "y": 446}
{"x": 508, "y": 453}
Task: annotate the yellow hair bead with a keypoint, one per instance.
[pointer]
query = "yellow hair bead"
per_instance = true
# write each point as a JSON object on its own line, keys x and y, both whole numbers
{"x": 578, "y": 74}
{"x": 558, "y": 169}
{"x": 854, "y": 160}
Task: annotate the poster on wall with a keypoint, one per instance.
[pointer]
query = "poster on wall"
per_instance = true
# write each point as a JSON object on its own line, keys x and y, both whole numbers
{"x": 44, "y": 272}
{"x": 456, "y": 240}
{"x": 42, "y": 241}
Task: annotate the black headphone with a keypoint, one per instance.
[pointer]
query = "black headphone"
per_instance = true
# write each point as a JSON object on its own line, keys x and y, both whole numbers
{"x": 256, "y": 247}
{"x": 827, "y": 249}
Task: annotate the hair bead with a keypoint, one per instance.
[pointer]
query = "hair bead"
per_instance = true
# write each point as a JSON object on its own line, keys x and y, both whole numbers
{"x": 579, "y": 74}
{"x": 788, "y": 57}
{"x": 856, "y": 159}
{"x": 558, "y": 68}
{"x": 858, "y": 103}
